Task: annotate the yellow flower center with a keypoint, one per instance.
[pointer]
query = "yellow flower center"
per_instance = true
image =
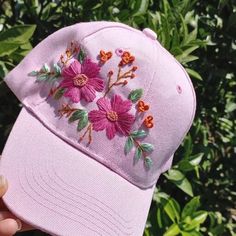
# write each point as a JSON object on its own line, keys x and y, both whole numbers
{"x": 80, "y": 80}
{"x": 112, "y": 116}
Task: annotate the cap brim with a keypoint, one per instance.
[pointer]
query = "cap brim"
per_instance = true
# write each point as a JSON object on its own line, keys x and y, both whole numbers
{"x": 62, "y": 191}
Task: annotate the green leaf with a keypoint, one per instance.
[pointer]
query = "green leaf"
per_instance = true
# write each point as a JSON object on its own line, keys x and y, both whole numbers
{"x": 42, "y": 77}
{"x": 135, "y": 95}
{"x": 179, "y": 179}
{"x": 138, "y": 154}
{"x": 81, "y": 56}
{"x": 83, "y": 122}
{"x": 57, "y": 69}
{"x": 7, "y": 48}
{"x": 33, "y": 73}
{"x": 172, "y": 230}
{"x": 45, "y": 68}
{"x": 128, "y": 145}
{"x": 194, "y": 74}
{"x": 148, "y": 162}
{"x": 17, "y": 34}
{"x": 172, "y": 209}
{"x": 77, "y": 115}
{"x": 147, "y": 147}
{"x": 199, "y": 217}
{"x": 139, "y": 134}
{"x": 140, "y": 7}
{"x": 59, "y": 93}
{"x": 175, "y": 175}
{"x": 191, "y": 207}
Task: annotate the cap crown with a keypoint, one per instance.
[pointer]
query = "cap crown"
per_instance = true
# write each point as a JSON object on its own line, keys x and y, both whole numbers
{"x": 133, "y": 135}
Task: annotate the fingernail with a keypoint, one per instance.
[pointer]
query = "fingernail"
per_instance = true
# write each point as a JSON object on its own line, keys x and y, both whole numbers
{"x": 2, "y": 181}
{"x": 19, "y": 224}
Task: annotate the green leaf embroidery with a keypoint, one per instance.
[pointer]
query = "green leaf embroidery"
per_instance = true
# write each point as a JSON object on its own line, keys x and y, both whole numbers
{"x": 81, "y": 55}
{"x": 129, "y": 144}
{"x": 147, "y": 147}
{"x": 58, "y": 94}
{"x": 138, "y": 154}
{"x": 135, "y": 95}
{"x": 45, "y": 68}
{"x": 33, "y": 73}
{"x": 77, "y": 115}
{"x": 45, "y": 73}
{"x": 148, "y": 162}
{"x": 83, "y": 122}
{"x": 57, "y": 70}
{"x": 42, "y": 77}
{"x": 139, "y": 134}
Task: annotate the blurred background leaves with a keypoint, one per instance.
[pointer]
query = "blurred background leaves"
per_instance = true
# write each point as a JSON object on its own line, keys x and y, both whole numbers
{"x": 198, "y": 195}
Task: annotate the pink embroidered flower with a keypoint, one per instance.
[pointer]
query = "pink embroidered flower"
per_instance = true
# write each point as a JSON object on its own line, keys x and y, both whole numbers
{"x": 82, "y": 81}
{"x": 113, "y": 116}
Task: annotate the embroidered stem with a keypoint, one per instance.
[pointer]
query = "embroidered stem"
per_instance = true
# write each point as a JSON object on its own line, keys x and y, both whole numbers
{"x": 66, "y": 110}
{"x": 120, "y": 78}
{"x": 69, "y": 54}
{"x": 89, "y": 131}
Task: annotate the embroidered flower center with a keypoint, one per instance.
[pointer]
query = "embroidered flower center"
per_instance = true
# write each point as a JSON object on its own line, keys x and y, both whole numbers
{"x": 80, "y": 80}
{"x": 112, "y": 116}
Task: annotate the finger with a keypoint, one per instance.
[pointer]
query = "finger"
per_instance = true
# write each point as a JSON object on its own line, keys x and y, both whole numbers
{"x": 9, "y": 227}
{"x": 3, "y": 185}
{"x": 6, "y": 214}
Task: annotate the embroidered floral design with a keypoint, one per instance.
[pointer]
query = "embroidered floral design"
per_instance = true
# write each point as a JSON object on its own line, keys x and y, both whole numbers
{"x": 47, "y": 74}
{"x": 126, "y": 58}
{"x": 77, "y": 77}
{"x": 81, "y": 81}
{"x": 70, "y": 53}
{"x": 105, "y": 56}
{"x": 142, "y": 149}
{"x": 113, "y": 116}
{"x": 149, "y": 122}
{"x": 142, "y": 107}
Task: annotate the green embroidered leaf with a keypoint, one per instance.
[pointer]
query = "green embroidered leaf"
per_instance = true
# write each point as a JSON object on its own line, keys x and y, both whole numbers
{"x": 147, "y": 147}
{"x": 45, "y": 68}
{"x": 83, "y": 122}
{"x": 42, "y": 77}
{"x": 59, "y": 93}
{"x": 77, "y": 115}
{"x": 139, "y": 134}
{"x": 128, "y": 145}
{"x": 33, "y": 73}
{"x": 138, "y": 154}
{"x": 81, "y": 56}
{"x": 57, "y": 69}
{"x": 148, "y": 162}
{"x": 135, "y": 95}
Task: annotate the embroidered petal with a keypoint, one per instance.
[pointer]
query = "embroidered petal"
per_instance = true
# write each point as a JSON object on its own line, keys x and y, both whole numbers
{"x": 88, "y": 92}
{"x": 66, "y": 83}
{"x": 104, "y": 104}
{"x": 99, "y": 120}
{"x": 124, "y": 123}
{"x": 90, "y": 68}
{"x": 110, "y": 130}
{"x": 119, "y": 105}
{"x": 71, "y": 71}
{"x": 97, "y": 83}
{"x": 73, "y": 94}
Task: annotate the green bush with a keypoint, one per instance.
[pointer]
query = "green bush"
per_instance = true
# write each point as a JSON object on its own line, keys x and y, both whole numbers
{"x": 197, "y": 196}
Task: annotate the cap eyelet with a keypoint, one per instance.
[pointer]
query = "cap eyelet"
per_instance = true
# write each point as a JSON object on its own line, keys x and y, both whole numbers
{"x": 179, "y": 89}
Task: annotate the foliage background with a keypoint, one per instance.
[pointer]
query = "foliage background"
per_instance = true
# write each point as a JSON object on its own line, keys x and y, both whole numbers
{"x": 197, "y": 196}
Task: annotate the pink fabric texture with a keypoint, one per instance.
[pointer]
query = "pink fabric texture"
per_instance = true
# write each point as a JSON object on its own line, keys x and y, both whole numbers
{"x": 113, "y": 116}
{"x": 66, "y": 186}
{"x": 82, "y": 81}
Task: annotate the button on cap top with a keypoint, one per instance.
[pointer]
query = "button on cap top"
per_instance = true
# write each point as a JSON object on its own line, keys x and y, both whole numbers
{"x": 150, "y": 33}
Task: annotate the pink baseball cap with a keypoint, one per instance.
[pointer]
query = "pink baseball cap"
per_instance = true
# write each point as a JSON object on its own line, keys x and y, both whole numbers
{"x": 105, "y": 107}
